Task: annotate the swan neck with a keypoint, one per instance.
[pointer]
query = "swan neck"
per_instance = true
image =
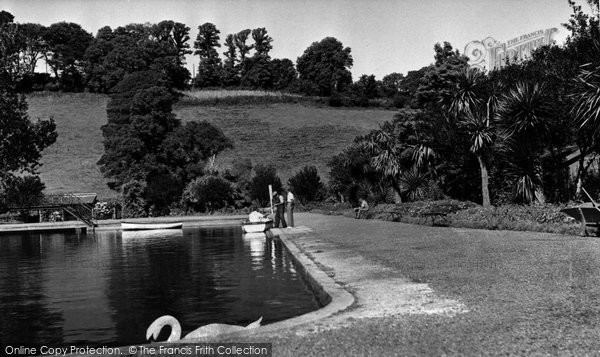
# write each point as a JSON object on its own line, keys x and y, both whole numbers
{"x": 175, "y": 330}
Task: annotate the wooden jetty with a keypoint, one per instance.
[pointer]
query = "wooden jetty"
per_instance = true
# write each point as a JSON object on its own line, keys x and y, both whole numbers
{"x": 79, "y": 206}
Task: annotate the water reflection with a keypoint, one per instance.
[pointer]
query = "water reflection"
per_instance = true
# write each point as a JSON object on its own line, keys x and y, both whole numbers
{"x": 105, "y": 289}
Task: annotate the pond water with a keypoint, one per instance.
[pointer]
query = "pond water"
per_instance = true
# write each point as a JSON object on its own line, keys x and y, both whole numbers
{"x": 106, "y": 288}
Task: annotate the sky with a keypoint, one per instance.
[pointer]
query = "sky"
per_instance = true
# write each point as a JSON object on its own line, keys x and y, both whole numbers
{"x": 385, "y": 36}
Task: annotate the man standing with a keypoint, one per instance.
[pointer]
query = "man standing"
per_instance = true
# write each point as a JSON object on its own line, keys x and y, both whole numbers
{"x": 290, "y": 208}
{"x": 279, "y": 203}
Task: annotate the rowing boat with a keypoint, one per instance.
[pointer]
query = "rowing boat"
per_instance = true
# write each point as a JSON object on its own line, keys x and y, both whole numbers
{"x": 128, "y": 226}
{"x": 257, "y": 227}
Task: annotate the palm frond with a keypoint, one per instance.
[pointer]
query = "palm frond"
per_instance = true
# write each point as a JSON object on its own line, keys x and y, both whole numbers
{"x": 465, "y": 97}
{"x": 414, "y": 182}
{"x": 587, "y": 106}
{"x": 525, "y": 110}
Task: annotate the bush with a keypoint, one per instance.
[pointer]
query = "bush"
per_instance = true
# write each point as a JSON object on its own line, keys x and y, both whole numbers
{"x": 25, "y": 191}
{"x": 305, "y": 87}
{"x": 420, "y": 208}
{"x": 306, "y": 185}
{"x": 259, "y": 186}
{"x": 162, "y": 189}
{"x": 336, "y": 100}
{"x": 102, "y": 211}
{"x": 401, "y": 100}
{"x": 207, "y": 193}
{"x": 134, "y": 204}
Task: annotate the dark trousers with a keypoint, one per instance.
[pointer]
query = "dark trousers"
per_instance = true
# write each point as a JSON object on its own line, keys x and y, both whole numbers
{"x": 280, "y": 215}
{"x": 290, "y": 214}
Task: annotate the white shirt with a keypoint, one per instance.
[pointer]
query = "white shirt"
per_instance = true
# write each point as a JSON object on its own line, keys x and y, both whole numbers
{"x": 290, "y": 197}
{"x": 255, "y": 216}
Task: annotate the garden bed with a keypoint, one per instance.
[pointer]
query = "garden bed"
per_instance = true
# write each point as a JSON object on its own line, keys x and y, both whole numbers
{"x": 538, "y": 218}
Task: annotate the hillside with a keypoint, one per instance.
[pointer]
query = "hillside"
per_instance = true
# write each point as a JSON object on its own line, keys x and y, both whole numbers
{"x": 287, "y": 135}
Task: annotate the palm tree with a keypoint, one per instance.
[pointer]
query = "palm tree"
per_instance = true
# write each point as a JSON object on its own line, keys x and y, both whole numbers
{"x": 467, "y": 105}
{"x": 397, "y": 147}
{"x": 386, "y": 154}
{"x": 482, "y": 135}
{"x": 524, "y": 119}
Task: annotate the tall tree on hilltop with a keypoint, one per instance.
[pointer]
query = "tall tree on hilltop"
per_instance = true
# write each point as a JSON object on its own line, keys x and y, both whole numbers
{"x": 6, "y": 17}
{"x": 173, "y": 38}
{"x": 284, "y": 73}
{"x": 230, "y": 76}
{"x": 241, "y": 39}
{"x": 67, "y": 43}
{"x": 10, "y": 46}
{"x": 327, "y": 64}
{"x": 33, "y": 47}
{"x": 262, "y": 41}
{"x": 137, "y": 47}
{"x": 206, "y": 45}
{"x": 257, "y": 70}
{"x": 174, "y": 34}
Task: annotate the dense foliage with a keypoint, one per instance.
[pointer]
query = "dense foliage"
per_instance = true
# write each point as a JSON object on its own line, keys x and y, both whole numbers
{"x": 306, "y": 185}
{"x": 510, "y": 135}
{"x": 148, "y": 153}
{"x": 207, "y": 194}
{"x": 263, "y": 177}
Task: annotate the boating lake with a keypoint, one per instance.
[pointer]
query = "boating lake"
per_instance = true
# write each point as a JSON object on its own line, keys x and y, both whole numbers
{"x": 106, "y": 288}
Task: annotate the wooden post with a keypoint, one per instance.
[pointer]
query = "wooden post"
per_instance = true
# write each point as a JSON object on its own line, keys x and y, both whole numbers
{"x": 271, "y": 197}
{"x": 583, "y": 223}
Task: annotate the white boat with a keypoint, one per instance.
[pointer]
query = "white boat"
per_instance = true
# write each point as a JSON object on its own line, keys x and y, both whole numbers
{"x": 127, "y": 226}
{"x": 257, "y": 227}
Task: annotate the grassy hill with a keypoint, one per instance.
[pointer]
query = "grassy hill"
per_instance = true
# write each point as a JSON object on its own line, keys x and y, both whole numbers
{"x": 288, "y": 135}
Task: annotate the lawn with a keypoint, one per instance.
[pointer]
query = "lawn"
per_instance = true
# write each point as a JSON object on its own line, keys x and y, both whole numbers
{"x": 527, "y": 293}
{"x": 288, "y": 135}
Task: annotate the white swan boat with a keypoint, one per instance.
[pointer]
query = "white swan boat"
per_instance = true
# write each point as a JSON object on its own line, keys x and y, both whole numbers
{"x": 257, "y": 227}
{"x": 128, "y": 226}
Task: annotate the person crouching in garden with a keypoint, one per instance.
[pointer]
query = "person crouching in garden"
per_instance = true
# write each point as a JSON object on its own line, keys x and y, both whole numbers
{"x": 279, "y": 203}
{"x": 363, "y": 207}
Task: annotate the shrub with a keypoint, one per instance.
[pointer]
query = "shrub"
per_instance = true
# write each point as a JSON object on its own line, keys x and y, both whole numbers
{"x": 51, "y": 216}
{"x": 23, "y": 191}
{"x": 401, "y": 100}
{"x": 162, "y": 189}
{"x": 134, "y": 204}
{"x": 259, "y": 186}
{"x": 336, "y": 100}
{"x": 207, "y": 193}
{"x": 306, "y": 185}
{"x": 102, "y": 210}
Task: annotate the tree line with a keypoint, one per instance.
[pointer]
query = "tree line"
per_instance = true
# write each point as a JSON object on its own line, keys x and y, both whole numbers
{"x": 77, "y": 60}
